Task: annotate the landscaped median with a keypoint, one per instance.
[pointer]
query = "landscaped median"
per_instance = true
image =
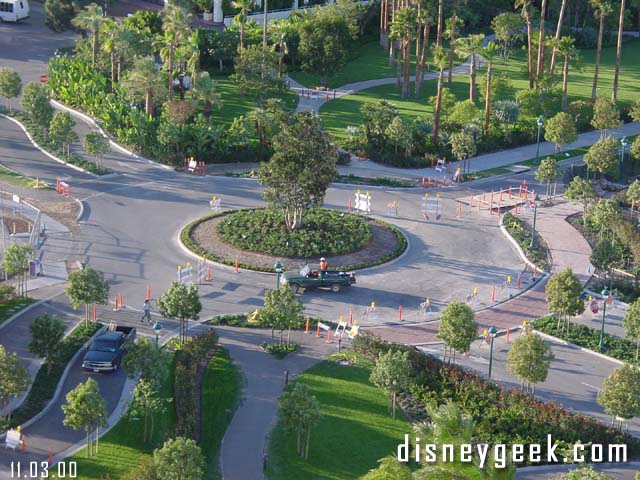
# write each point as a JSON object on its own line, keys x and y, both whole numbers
{"x": 255, "y": 239}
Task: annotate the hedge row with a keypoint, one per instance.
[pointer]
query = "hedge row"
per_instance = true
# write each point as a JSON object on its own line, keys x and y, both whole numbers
{"x": 500, "y": 416}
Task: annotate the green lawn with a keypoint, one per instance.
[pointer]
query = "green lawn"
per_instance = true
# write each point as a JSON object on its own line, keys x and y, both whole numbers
{"x": 345, "y": 111}
{"x": 122, "y": 449}
{"x": 7, "y": 310}
{"x": 234, "y": 104}
{"x": 355, "y": 430}
{"x": 14, "y": 178}
{"x": 220, "y": 396}
{"x": 369, "y": 61}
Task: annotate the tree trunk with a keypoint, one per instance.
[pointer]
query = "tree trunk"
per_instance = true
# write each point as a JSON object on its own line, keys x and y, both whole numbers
{"x": 170, "y": 67}
{"x": 384, "y": 5}
{"x": 616, "y": 74}
{"x": 241, "y": 36}
{"x": 529, "y": 52}
{"x": 594, "y": 89}
{"x": 399, "y": 64}
{"x": 306, "y": 452}
{"x": 407, "y": 68}
{"x": 423, "y": 59}
{"x": 436, "y": 116}
{"x": 120, "y": 65}
{"x": 472, "y": 78}
{"x": 440, "y": 19}
{"x": 393, "y": 406}
{"x": 148, "y": 102}
{"x": 540, "y": 68}
{"x": 452, "y": 41}
{"x": 487, "y": 99}
{"x": 417, "y": 54}
{"x": 94, "y": 56}
{"x": 554, "y": 54}
{"x": 565, "y": 82}
{"x": 88, "y": 445}
{"x": 298, "y": 449}
{"x": 112, "y": 57}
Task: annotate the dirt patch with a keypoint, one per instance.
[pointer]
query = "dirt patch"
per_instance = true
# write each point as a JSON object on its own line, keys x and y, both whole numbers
{"x": 16, "y": 224}
{"x": 383, "y": 242}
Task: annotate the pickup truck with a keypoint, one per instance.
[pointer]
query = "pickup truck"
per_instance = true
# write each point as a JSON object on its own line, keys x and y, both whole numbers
{"x": 308, "y": 279}
{"x": 107, "y": 349}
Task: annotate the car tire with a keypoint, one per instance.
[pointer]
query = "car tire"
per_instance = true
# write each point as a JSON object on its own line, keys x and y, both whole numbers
{"x": 295, "y": 288}
{"x": 335, "y": 287}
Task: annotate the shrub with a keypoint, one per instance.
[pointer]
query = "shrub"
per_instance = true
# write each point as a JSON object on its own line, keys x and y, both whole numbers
{"x": 277, "y": 350}
{"x": 7, "y": 293}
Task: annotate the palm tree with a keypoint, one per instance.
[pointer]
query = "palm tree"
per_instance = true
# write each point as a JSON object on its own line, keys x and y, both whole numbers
{"x": 91, "y": 18}
{"x": 525, "y": 7}
{"x": 566, "y": 48}
{"x": 403, "y": 29}
{"x": 470, "y": 47}
{"x": 489, "y": 53}
{"x": 143, "y": 80}
{"x": 191, "y": 51}
{"x": 205, "y": 91}
{"x": 554, "y": 53}
{"x": 452, "y": 39}
{"x": 424, "y": 24}
{"x": 176, "y": 27}
{"x": 279, "y": 32}
{"x": 118, "y": 39}
{"x": 440, "y": 21}
{"x": 616, "y": 74}
{"x": 245, "y": 7}
{"x": 601, "y": 8}
{"x": 109, "y": 46}
{"x": 440, "y": 61}
{"x": 541, "y": 37}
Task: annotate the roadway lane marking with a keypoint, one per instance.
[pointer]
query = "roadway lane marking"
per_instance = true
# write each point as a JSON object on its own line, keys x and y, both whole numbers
{"x": 99, "y": 194}
{"x": 591, "y": 386}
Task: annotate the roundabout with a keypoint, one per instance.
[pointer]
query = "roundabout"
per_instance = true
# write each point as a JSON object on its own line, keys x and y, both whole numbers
{"x": 257, "y": 239}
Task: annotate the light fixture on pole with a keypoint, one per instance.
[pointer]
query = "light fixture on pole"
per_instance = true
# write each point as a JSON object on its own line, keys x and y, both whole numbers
{"x": 157, "y": 328}
{"x": 605, "y": 294}
{"x": 539, "y": 122}
{"x": 278, "y": 268}
{"x": 623, "y": 146}
{"x": 535, "y": 214}
{"x": 492, "y": 333}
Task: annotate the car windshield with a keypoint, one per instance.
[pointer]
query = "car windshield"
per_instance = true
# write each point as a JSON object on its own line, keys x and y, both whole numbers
{"x": 102, "y": 346}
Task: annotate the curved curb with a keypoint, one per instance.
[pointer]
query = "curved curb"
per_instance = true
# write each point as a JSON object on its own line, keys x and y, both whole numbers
{"x": 63, "y": 379}
{"x": 583, "y": 349}
{"x": 519, "y": 248}
{"x": 94, "y": 124}
{"x": 192, "y": 254}
{"x": 50, "y": 155}
{"x": 81, "y": 212}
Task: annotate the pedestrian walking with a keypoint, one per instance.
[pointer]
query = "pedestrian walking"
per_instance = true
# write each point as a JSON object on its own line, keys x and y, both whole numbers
{"x": 146, "y": 312}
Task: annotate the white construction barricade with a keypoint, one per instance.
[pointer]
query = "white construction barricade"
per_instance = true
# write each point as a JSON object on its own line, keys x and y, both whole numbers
{"x": 184, "y": 274}
{"x": 440, "y": 165}
{"x": 362, "y": 202}
{"x": 215, "y": 203}
{"x": 431, "y": 207}
{"x": 202, "y": 271}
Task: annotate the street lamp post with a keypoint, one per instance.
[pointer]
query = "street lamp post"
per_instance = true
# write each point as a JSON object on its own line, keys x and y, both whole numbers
{"x": 535, "y": 214}
{"x": 492, "y": 332}
{"x": 539, "y": 122}
{"x": 605, "y": 294}
{"x": 157, "y": 328}
{"x": 278, "y": 268}
{"x": 623, "y": 146}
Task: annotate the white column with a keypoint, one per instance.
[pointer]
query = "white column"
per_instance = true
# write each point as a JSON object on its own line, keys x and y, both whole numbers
{"x": 218, "y": 17}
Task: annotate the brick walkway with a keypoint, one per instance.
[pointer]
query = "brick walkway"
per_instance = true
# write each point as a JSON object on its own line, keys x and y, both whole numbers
{"x": 568, "y": 249}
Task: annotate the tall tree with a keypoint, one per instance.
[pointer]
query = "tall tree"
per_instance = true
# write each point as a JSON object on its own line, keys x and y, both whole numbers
{"x": 61, "y": 132}
{"x": 143, "y": 83}
{"x": 301, "y": 169}
{"x": 425, "y": 19}
{"x": 87, "y": 286}
{"x": 96, "y": 145}
{"x": 563, "y": 296}
{"x": 568, "y": 51}
{"x": 146, "y": 403}
{"x": 181, "y": 302}
{"x": 85, "y": 409}
{"x": 541, "y": 39}
{"x": 47, "y": 333}
{"x": 14, "y": 378}
{"x": 606, "y": 116}
{"x": 526, "y": 8}
{"x": 620, "y": 394}
{"x": 440, "y": 23}
{"x": 10, "y": 85}
{"x": 299, "y": 412}
{"x": 245, "y": 6}
{"x": 616, "y": 72}
{"x": 528, "y": 359}
{"x": 453, "y": 25}
{"x": 458, "y": 328}
{"x": 602, "y": 156}
{"x": 489, "y": 53}
{"x": 281, "y": 310}
{"x": 581, "y": 190}
{"x": 470, "y": 47}
{"x": 548, "y": 172}
{"x": 561, "y": 130}
{"x": 175, "y": 26}
{"x": 16, "y": 262}
{"x": 554, "y": 53}
{"x": 146, "y": 359}
{"x": 508, "y": 30}
{"x": 631, "y": 323}
{"x": 601, "y": 9}
{"x": 279, "y": 32}
{"x": 392, "y": 373}
{"x": 35, "y": 101}
{"x": 440, "y": 61}
{"x": 402, "y": 30}
{"x": 256, "y": 70}
{"x": 91, "y": 18}
{"x": 206, "y": 92}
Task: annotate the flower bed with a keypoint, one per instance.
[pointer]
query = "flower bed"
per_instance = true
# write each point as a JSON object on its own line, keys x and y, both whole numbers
{"x": 45, "y": 383}
{"x": 277, "y": 350}
{"x": 325, "y": 232}
{"x": 501, "y": 416}
{"x": 521, "y": 233}
{"x": 583, "y": 336}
